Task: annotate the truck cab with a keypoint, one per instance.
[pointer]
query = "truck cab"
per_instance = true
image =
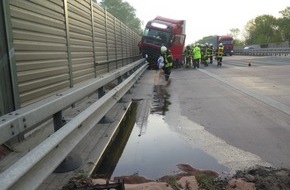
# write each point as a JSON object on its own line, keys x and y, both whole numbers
{"x": 163, "y": 31}
{"x": 228, "y": 43}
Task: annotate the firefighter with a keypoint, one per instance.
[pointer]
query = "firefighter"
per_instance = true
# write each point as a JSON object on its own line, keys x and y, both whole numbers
{"x": 210, "y": 53}
{"x": 220, "y": 53}
{"x": 203, "y": 54}
{"x": 168, "y": 61}
{"x": 187, "y": 53}
{"x": 196, "y": 55}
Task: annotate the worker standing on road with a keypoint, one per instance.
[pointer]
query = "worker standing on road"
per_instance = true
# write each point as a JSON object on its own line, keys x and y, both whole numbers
{"x": 205, "y": 56}
{"x": 187, "y": 53}
{"x": 168, "y": 61}
{"x": 210, "y": 53}
{"x": 220, "y": 53}
{"x": 196, "y": 56}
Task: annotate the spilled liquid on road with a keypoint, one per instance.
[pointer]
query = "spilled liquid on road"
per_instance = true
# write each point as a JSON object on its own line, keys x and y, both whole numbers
{"x": 154, "y": 149}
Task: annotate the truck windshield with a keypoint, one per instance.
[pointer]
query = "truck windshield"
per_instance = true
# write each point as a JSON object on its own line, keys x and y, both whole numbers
{"x": 225, "y": 42}
{"x": 155, "y": 36}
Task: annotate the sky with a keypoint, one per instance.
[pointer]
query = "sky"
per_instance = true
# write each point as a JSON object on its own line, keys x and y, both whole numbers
{"x": 208, "y": 17}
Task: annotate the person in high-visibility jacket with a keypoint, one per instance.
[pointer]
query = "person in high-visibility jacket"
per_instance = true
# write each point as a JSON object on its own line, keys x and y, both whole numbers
{"x": 204, "y": 58}
{"x": 187, "y": 53}
{"x": 210, "y": 53}
{"x": 196, "y": 55}
{"x": 168, "y": 61}
{"x": 220, "y": 53}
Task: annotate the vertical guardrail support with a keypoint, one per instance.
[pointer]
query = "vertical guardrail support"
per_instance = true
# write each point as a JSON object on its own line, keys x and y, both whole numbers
{"x": 101, "y": 92}
{"x": 120, "y": 80}
{"x": 57, "y": 121}
{"x": 72, "y": 161}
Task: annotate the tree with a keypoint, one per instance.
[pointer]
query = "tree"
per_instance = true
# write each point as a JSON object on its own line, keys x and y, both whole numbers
{"x": 284, "y": 24}
{"x": 124, "y": 12}
{"x": 235, "y": 33}
{"x": 263, "y": 30}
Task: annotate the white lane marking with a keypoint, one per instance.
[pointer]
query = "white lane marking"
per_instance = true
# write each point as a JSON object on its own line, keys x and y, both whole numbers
{"x": 226, "y": 154}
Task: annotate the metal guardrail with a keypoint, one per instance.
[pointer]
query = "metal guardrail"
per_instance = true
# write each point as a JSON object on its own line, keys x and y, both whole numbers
{"x": 26, "y": 118}
{"x": 33, "y": 168}
{"x": 263, "y": 52}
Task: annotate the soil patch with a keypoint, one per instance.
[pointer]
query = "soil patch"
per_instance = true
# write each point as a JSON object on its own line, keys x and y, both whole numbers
{"x": 266, "y": 178}
{"x": 258, "y": 178}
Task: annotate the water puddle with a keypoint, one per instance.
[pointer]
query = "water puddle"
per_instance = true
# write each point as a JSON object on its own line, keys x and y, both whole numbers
{"x": 158, "y": 152}
{"x": 156, "y": 149}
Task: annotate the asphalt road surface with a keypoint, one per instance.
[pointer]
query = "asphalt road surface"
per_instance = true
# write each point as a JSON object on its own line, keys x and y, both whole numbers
{"x": 237, "y": 113}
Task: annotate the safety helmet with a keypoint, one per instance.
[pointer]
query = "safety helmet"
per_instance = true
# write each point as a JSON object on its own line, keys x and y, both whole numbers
{"x": 206, "y": 44}
{"x": 163, "y": 49}
{"x": 210, "y": 45}
{"x": 197, "y": 44}
{"x": 221, "y": 44}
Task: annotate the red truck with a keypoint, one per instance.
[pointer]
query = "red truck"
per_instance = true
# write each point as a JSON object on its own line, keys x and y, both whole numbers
{"x": 163, "y": 31}
{"x": 226, "y": 40}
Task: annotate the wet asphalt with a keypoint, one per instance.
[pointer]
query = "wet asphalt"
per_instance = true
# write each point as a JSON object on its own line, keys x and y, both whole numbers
{"x": 214, "y": 118}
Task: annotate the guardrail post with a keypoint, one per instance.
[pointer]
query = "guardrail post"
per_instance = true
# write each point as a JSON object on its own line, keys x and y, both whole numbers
{"x": 57, "y": 121}
{"x": 101, "y": 92}
{"x": 72, "y": 161}
{"x": 120, "y": 80}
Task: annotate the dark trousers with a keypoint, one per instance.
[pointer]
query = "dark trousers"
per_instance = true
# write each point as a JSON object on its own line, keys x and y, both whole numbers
{"x": 210, "y": 59}
{"x": 219, "y": 60}
{"x": 167, "y": 71}
{"x": 188, "y": 60}
{"x": 196, "y": 63}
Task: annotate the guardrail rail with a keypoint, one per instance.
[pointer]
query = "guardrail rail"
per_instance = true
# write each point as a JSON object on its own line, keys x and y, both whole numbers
{"x": 34, "y": 167}
{"x": 263, "y": 52}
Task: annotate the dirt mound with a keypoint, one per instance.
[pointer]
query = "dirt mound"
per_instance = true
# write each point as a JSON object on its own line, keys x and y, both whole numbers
{"x": 266, "y": 178}
{"x": 258, "y": 178}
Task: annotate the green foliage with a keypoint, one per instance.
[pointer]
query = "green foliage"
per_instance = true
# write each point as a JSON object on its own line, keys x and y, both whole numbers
{"x": 172, "y": 182}
{"x": 205, "y": 182}
{"x": 263, "y": 30}
{"x": 266, "y": 29}
{"x": 284, "y": 24}
{"x": 235, "y": 32}
{"x": 124, "y": 12}
{"x": 238, "y": 42}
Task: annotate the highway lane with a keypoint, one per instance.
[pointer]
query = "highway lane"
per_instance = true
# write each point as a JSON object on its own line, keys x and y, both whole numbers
{"x": 236, "y": 113}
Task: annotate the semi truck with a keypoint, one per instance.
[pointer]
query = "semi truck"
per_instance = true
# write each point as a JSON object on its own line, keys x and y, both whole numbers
{"x": 159, "y": 32}
{"x": 226, "y": 40}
